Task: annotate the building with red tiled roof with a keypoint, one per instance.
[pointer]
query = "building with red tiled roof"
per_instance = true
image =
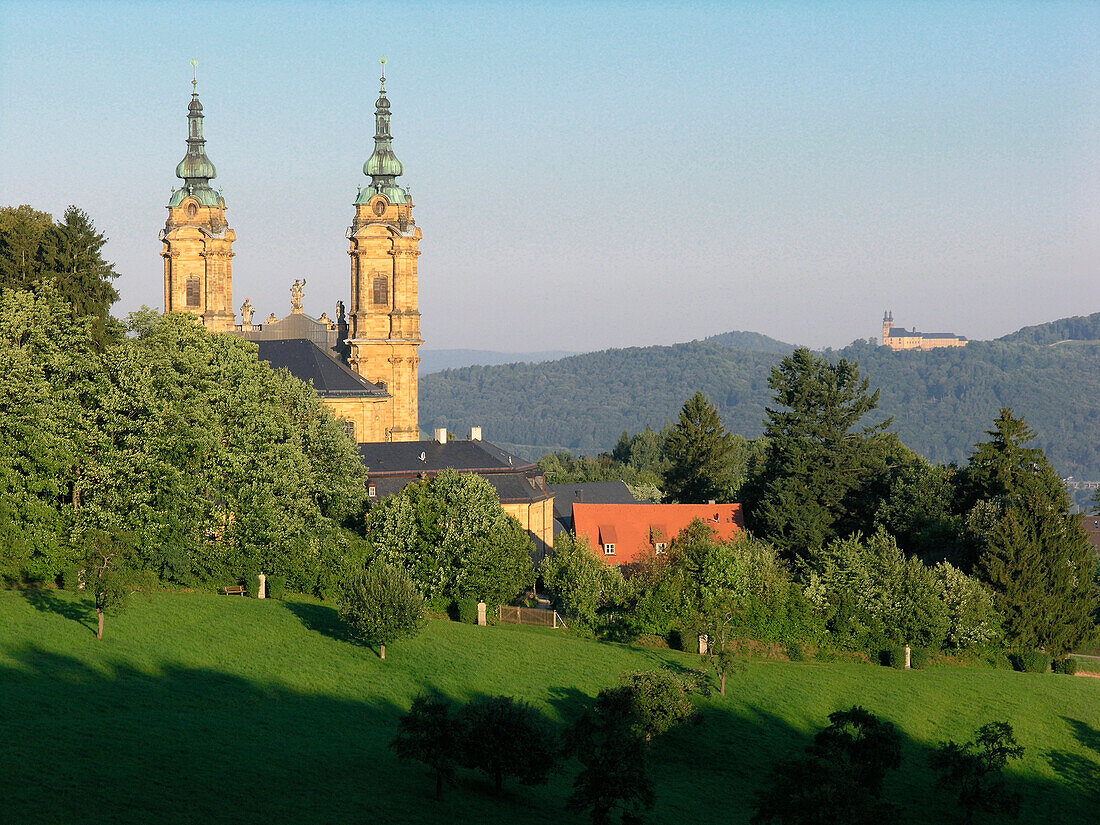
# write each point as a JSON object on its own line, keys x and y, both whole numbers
{"x": 627, "y": 533}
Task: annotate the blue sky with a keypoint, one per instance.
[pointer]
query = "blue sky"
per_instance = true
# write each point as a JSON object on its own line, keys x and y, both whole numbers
{"x": 600, "y": 174}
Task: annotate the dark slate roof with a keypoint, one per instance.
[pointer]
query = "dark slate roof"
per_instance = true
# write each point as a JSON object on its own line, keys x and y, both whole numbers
{"x": 902, "y": 332}
{"x": 941, "y": 335}
{"x": 593, "y": 492}
{"x": 403, "y": 457}
{"x": 308, "y": 362}
{"x": 392, "y": 466}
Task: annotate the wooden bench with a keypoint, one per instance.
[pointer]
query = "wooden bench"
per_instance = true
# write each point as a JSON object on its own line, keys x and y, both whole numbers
{"x": 234, "y": 590}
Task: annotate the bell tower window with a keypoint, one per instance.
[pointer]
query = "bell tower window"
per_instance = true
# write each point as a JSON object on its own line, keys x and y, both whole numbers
{"x": 193, "y": 291}
{"x": 381, "y": 290}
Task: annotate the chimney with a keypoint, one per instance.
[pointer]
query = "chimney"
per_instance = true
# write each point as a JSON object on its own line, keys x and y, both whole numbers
{"x": 475, "y": 433}
{"x": 441, "y": 435}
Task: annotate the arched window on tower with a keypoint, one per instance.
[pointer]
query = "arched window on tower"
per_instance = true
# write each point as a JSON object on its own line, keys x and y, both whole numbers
{"x": 381, "y": 290}
{"x": 193, "y": 291}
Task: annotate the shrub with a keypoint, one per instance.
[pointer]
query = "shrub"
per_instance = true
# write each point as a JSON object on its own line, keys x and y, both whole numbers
{"x": 276, "y": 587}
{"x": 1031, "y": 661}
{"x": 70, "y": 579}
{"x": 467, "y": 610}
{"x": 658, "y": 699}
{"x": 919, "y": 657}
{"x": 795, "y": 652}
{"x": 252, "y": 585}
{"x": 894, "y": 657}
{"x": 1067, "y": 666}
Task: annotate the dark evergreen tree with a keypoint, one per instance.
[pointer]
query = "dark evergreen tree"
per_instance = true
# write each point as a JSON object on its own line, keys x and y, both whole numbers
{"x": 820, "y": 466}
{"x": 1033, "y": 552}
{"x": 700, "y": 454}
{"x": 68, "y": 254}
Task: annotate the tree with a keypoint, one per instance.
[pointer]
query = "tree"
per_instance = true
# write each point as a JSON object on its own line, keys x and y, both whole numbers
{"x": 724, "y": 661}
{"x": 381, "y": 605}
{"x": 840, "y": 778}
{"x": 578, "y": 581}
{"x": 429, "y": 734}
{"x": 34, "y": 250}
{"x": 973, "y": 771}
{"x": 1033, "y": 553}
{"x": 614, "y": 761}
{"x": 700, "y": 453}
{"x": 107, "y": 573}
{"x": 658, "y": 701}
{"x": 451, "y": 535}
{"x": 505, "y": 737}
{"x": 819, "y": 462}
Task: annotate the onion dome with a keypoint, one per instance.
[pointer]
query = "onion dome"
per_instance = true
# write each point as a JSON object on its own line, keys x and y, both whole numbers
{"x": 383, "y": 166}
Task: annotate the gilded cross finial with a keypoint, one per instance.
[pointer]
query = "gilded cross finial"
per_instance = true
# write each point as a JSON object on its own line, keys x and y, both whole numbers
{"x": 194, "y": 76}
{"x": 383, "y": 62}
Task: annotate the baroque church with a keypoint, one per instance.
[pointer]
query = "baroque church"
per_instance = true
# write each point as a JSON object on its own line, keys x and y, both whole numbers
{"x": 364, "y": 362}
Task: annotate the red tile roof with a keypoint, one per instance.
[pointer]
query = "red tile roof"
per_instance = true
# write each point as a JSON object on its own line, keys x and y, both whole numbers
{"x": 634, "y": 528}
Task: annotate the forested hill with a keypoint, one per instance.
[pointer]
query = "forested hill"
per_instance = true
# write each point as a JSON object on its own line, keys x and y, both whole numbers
{"x": 942, "y": 401}
{"x": 753, "y": 341}
{"x": 1078, "y": 328}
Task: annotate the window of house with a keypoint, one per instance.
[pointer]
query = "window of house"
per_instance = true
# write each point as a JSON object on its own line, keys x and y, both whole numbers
{"x": 660, "y": 547}
{"x": 372, "y": 491}
{"x": 193, "y": 291}
{"x": 381, "y": 290}
{"x": 609, "y": 549}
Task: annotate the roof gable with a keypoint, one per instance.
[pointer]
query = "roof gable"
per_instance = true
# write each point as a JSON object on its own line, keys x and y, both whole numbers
{"x": 638, "y": 527}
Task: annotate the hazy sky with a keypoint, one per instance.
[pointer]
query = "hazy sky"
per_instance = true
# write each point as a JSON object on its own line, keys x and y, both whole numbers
{"x": 589, "y": 175}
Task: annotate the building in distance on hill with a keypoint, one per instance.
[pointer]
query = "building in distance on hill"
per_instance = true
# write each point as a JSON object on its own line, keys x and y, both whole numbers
{"x": 899, "y": 338}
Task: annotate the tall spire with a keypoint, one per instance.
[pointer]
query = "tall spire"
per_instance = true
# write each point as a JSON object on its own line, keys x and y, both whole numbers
{"x": 383, "y": 165}
{"x": 196, "y": 169}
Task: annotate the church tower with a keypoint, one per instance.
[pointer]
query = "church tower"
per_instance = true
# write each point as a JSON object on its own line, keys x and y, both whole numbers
{"x": 197, "y": 240}
{"x": 384, "y": 317}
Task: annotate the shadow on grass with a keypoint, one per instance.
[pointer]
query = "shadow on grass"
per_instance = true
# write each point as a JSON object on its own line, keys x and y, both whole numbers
{"x": 321, "y": 619}
{"x": 186, "y": 744}
{"x": 47, "y": 601}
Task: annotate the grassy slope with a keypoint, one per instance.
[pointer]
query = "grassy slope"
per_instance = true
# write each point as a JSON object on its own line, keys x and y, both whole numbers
{"x": 207, "y": 709}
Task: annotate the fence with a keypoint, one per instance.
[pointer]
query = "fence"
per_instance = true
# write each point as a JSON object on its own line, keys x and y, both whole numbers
{"x": 529, "y": 615}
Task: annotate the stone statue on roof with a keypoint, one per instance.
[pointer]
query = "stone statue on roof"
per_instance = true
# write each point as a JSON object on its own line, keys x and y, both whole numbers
{"x": 297, "y": 293}
{"x": 247, "y": 311}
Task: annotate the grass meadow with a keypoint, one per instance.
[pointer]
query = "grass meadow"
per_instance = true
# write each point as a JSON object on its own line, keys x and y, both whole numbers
{"x": 201, "y": 708}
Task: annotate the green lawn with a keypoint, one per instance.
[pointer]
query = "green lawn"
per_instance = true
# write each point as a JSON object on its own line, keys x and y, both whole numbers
{"x": 205, "y": 709}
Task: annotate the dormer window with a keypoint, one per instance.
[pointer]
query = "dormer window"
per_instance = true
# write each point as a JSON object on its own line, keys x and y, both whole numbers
{"x": 609, "y": 549}
{"x": 660, "y": 547}
{"x": 372, "y": 491}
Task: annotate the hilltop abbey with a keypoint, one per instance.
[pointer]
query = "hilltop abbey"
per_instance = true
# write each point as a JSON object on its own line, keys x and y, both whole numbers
{"x": 364, "y": 365}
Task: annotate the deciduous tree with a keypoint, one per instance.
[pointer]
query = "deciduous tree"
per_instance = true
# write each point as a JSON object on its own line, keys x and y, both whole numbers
{"x": 973, "y": 771}
{"x": 505, "y": 737}
{"x": 381, "y": 605}
{"x": 429, "y": 734}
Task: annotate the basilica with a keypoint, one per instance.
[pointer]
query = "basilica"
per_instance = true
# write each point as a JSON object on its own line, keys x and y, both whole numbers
{"x": 363, "y": 362}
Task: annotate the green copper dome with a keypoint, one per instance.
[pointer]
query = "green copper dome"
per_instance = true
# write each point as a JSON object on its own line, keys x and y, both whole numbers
{"x": 196, "y": 169}
{"x": 383, "y": 166}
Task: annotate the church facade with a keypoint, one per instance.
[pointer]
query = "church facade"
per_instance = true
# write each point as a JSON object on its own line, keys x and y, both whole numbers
{"x": 378, "y": 341}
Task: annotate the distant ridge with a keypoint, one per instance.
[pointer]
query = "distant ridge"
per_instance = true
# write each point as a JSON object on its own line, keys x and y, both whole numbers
{"x": 1077, "y": 328}
{"x": 751, "y": 341}
{"x": 437, "y": 360}
{"x": 942, "y": 401}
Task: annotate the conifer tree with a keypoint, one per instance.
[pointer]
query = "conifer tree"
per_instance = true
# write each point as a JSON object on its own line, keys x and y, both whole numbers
{"x": 819, "y": 460}
{"x": 1034, "y": 554}
{"x": 701, "y": 454}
